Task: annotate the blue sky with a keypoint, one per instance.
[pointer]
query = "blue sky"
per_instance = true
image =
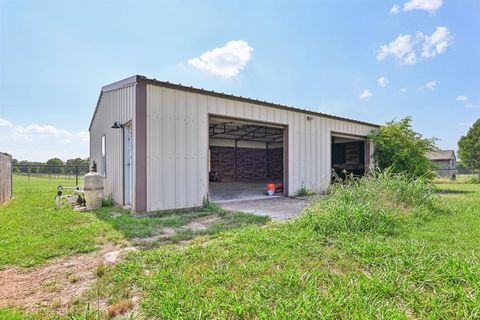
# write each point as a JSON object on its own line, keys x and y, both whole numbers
{"x": 326, "y": 56}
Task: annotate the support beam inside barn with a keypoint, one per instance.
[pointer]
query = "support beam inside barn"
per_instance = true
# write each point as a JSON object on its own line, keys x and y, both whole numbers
{"x": 243, "y": 157}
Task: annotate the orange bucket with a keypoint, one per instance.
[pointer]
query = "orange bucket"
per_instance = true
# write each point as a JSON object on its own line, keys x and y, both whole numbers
{"x": 271, "y": 186}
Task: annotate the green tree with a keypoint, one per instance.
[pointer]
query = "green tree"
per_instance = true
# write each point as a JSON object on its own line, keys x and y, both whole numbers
{"x": 398, "y": 147}
{"x": 15, "y": 169}
{"x": 54, "y": 166}
{"x": 469, "y": 147}
{"x": 81, "y": 163}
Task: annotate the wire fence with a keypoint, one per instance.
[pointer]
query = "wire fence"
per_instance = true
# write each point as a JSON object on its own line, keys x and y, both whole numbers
{"x": 461, "y": 173}
{"x": 68, "y": 173}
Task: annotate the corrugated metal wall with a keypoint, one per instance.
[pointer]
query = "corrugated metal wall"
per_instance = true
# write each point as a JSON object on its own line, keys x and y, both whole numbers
{"x": 177, "y": 144}
{"x": 115, "y": 105}
{"x": 5, "y": 177}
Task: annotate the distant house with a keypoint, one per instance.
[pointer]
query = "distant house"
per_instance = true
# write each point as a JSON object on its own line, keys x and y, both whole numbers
{"x": 445, "y": 163}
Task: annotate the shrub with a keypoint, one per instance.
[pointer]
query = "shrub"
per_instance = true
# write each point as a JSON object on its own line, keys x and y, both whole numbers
{"x": 399, "y": 147}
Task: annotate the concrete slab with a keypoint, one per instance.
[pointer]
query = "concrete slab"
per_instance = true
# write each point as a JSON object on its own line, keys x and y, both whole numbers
{"x": 234, "y": 191}
{"x": 278, "y": 208}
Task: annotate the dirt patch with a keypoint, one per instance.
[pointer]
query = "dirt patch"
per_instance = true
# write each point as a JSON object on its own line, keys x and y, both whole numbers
{"x": 165, "y": 233}
{"x": 201, "y": 223}
{"x": 56, "y": 284}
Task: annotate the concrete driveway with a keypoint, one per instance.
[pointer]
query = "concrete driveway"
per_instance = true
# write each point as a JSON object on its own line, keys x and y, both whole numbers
{"x": 278, "y": 208}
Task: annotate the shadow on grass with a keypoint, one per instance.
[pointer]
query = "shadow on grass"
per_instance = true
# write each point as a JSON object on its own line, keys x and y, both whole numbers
{"x": 450, "y": 191}
{"x": 175, "y": 226}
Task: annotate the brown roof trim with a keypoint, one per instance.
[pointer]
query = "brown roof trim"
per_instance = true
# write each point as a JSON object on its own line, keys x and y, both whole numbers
{"x": 166, "y": 84}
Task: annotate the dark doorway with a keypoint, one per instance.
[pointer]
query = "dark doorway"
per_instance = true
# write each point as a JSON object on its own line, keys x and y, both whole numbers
{"x": 348, "y": 156}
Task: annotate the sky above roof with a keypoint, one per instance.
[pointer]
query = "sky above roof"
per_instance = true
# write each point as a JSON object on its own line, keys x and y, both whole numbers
{"x": 368, "y": 60}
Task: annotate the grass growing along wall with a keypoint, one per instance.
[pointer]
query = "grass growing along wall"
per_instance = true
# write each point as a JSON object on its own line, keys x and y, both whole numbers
{"x": 369, "y": 250}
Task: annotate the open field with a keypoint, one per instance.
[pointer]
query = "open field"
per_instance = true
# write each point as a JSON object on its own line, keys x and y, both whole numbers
{"x": 381, "y": 248}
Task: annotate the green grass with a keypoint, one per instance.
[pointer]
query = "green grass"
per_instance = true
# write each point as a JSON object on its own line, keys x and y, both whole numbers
{"x": 379, "y": 248}
{"x": 133, "y": 227}
{"x": 32, "y": 230}
{"x": 383, "y": 247}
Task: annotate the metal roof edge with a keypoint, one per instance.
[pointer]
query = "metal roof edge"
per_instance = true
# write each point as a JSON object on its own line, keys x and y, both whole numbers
{"x": 139, "y": 78}
{"x": 170, "y": 85}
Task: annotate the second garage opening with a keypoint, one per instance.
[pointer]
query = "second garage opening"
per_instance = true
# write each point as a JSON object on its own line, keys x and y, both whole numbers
{"x": 349, "y": 155}
{"x": 243, "y": 158}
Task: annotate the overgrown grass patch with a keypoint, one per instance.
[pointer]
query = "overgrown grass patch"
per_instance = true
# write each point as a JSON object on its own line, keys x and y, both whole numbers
{"x": 374, "y": 248}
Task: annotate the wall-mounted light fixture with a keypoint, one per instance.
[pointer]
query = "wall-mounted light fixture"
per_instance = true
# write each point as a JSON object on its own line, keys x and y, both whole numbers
{"x": 117, "y": 125}
{"x": 309, "y": 118}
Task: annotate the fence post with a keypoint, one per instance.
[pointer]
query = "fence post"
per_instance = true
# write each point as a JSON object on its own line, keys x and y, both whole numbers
{"x": 76, "y": 175}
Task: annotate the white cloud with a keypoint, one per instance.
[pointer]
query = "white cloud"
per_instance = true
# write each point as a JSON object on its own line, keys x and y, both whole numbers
{"x": 428, "y": 5}
{"x": 462, "y": 98}
{"x": 383, "y": 82}
{"x": 226, "y": 61}
{"x": 39, "y": 142}
{"x": 470, "y": 106}
{"x": 5, "y": 123}
{"x": 466, "y": 124}
{"x": 395, "y": 9}
{"x": 431, "y": 85}
{"x": 403, "y": 90}
{"x": 436, "y": 43}
{"x": 35, "y": 128}
{"x": 406, "y": 47}
{"x": 365, "y": 94}
{"x": 401, "y": 48}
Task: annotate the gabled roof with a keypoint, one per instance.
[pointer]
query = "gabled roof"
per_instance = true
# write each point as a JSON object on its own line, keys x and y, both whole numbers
{"x": 441, "y": 155}
{"x": 138, "y": 78}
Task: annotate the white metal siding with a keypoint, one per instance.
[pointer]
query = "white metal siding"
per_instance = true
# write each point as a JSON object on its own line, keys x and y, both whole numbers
{"x": 115, "y": 105}
{"x": 177, "y": 144}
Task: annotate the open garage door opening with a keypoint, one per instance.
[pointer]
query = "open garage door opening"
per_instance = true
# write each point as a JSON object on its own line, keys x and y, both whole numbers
{"x": 243, "y": 158}
{"x": 349, "y": 155}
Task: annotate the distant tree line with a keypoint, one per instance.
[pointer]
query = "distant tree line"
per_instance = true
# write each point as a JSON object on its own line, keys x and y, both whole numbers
{"x": 51, "y": 166}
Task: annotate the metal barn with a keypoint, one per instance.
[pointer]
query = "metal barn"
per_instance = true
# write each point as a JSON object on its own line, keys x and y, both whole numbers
{"x": 164, "y": 146}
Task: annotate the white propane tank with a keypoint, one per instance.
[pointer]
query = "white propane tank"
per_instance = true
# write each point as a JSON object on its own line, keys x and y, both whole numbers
{"x": 93, "y": 189}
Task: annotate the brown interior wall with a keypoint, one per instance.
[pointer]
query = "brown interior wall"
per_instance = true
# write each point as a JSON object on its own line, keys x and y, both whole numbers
{"x": 252, "y": 164}
{"x": 275, "y": 164}
{"x": 222, "y": 159}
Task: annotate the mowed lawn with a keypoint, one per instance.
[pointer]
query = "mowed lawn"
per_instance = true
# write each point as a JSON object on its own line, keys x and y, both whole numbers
{"x": 377, "y": 250}
{"x": 32, "y": 230}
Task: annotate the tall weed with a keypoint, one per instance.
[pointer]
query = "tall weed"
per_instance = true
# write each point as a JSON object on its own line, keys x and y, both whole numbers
{"x": 375, "y": 203}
